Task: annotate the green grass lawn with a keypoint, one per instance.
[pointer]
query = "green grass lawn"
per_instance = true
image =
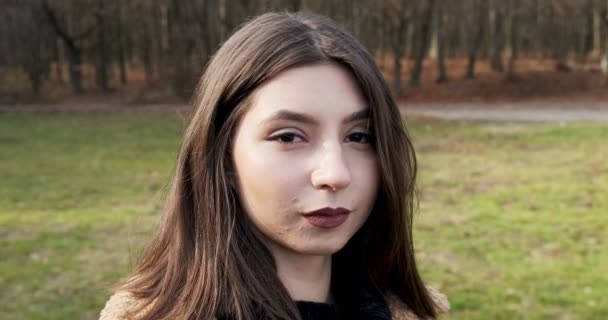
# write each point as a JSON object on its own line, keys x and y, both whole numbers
{"x": 512, "y": 221}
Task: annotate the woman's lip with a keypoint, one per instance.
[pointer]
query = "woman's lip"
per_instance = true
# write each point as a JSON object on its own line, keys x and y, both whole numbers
{"x": 327, "y": 217}
{"x": 327, "y": 221}
{"x": 327, "y": 211}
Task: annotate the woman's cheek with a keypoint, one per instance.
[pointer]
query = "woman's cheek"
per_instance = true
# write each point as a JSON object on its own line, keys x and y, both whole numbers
{"x": 276, "y": 171}
{"x": 367, "y": 176}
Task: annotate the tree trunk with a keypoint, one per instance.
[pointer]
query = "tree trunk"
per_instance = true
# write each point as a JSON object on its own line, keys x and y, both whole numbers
{"x": 586, "y": 36}
{"x": 497, "y": 36}
{"x": 58, "y": 66}
{"x": 540, "y": 24}
{"x": 440, "y": 41}
{"x": 512, "y": 36}
{"x": 34, "y": 45}
{"x": 75, "y": 63}
{"x": 422, "y": 45}
{"x": 74, "y": 53}
{"x": 101, "y": 69}
{"x": 181, "y": 50}
{"x": 120, "y": 50}
{"x": 475, "y": 43}
{"x": 146, "y": 48}
{"x": 399, "y": 42}
{"x": 161, "y": 30}
{"x": 604, "y": 63}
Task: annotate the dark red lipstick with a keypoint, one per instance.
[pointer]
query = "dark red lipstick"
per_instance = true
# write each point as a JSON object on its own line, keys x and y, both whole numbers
{"x": 327, "y": 218}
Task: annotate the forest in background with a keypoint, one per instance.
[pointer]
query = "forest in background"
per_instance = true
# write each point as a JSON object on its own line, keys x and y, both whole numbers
{"x": 102, "y": 45}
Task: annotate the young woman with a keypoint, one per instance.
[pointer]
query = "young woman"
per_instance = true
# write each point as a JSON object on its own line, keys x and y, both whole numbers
{"x": 293, "y": 192}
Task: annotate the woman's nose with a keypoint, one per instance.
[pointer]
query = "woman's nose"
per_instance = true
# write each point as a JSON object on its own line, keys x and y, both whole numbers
{"x": 331, "y": 170}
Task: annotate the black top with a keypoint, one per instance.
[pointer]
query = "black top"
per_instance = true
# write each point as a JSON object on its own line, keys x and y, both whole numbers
{"x": 318, "y": 311}
{"x": 366, "y": 304}
{"x": 362, "y": 305}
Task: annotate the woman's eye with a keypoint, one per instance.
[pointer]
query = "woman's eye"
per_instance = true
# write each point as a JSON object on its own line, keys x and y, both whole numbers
{"x": 361, "y": 137}
{"x": 285, "y": 138}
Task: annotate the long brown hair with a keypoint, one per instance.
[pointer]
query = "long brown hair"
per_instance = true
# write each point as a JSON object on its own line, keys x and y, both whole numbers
{"x": 206, "y": 260}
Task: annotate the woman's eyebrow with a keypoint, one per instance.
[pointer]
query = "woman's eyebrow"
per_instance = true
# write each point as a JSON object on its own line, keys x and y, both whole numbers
{"x": 292, "y": 116}
{"x": 356, "y": 116}
{"x": 307, "y": 119}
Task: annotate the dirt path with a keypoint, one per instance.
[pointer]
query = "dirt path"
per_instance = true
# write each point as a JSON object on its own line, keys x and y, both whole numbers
{"x": 513, "y": 112}
{"x": 93, "y": 107}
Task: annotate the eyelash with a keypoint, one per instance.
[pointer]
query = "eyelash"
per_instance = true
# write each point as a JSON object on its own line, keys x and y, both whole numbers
{"x": 278, "y": 137}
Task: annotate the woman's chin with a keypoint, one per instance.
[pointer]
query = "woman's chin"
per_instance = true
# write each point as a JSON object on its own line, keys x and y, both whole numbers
{"x": 323, "y": 248}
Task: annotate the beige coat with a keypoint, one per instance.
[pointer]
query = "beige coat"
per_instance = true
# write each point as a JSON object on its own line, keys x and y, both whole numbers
{"x": 120, "y": 302}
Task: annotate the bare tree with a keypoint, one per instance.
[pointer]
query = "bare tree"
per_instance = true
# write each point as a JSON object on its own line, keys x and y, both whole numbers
{"x": 101, "y": 67}
{"x": 439, "y": 39}
{"x": 120, "y": 40}
{"x": 476, "y": 26}
{"x": 397, "y": 15}
{"x": 497, "y": 35}
{"x": 422, "y": 45}
{"x": 71, "y": 42}
{"x": 512, "y": 27}
{"x": 34, "y": 44}
{"x": 604, "y": 63}
{"x": 170, "y": 41}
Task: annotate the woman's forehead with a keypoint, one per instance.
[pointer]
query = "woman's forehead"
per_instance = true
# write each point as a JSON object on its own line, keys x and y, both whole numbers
{"x": 308, "y": 93}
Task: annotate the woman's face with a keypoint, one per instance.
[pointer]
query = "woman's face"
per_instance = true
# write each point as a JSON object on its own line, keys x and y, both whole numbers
{"x": 304, "y": 145}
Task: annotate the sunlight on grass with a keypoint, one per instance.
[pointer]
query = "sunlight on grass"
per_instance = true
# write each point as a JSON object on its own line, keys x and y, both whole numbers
{"x": 511, "y": 224}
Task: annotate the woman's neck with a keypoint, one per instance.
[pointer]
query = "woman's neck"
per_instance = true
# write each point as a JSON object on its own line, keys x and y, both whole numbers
{"x": 307, "y": 278}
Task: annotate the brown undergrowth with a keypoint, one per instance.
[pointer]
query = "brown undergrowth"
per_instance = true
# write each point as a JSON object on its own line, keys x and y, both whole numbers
{"x": 533, "y": 80}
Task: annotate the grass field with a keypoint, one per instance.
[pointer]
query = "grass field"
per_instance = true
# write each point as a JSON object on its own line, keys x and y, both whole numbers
{"x": 512, "y": 221}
